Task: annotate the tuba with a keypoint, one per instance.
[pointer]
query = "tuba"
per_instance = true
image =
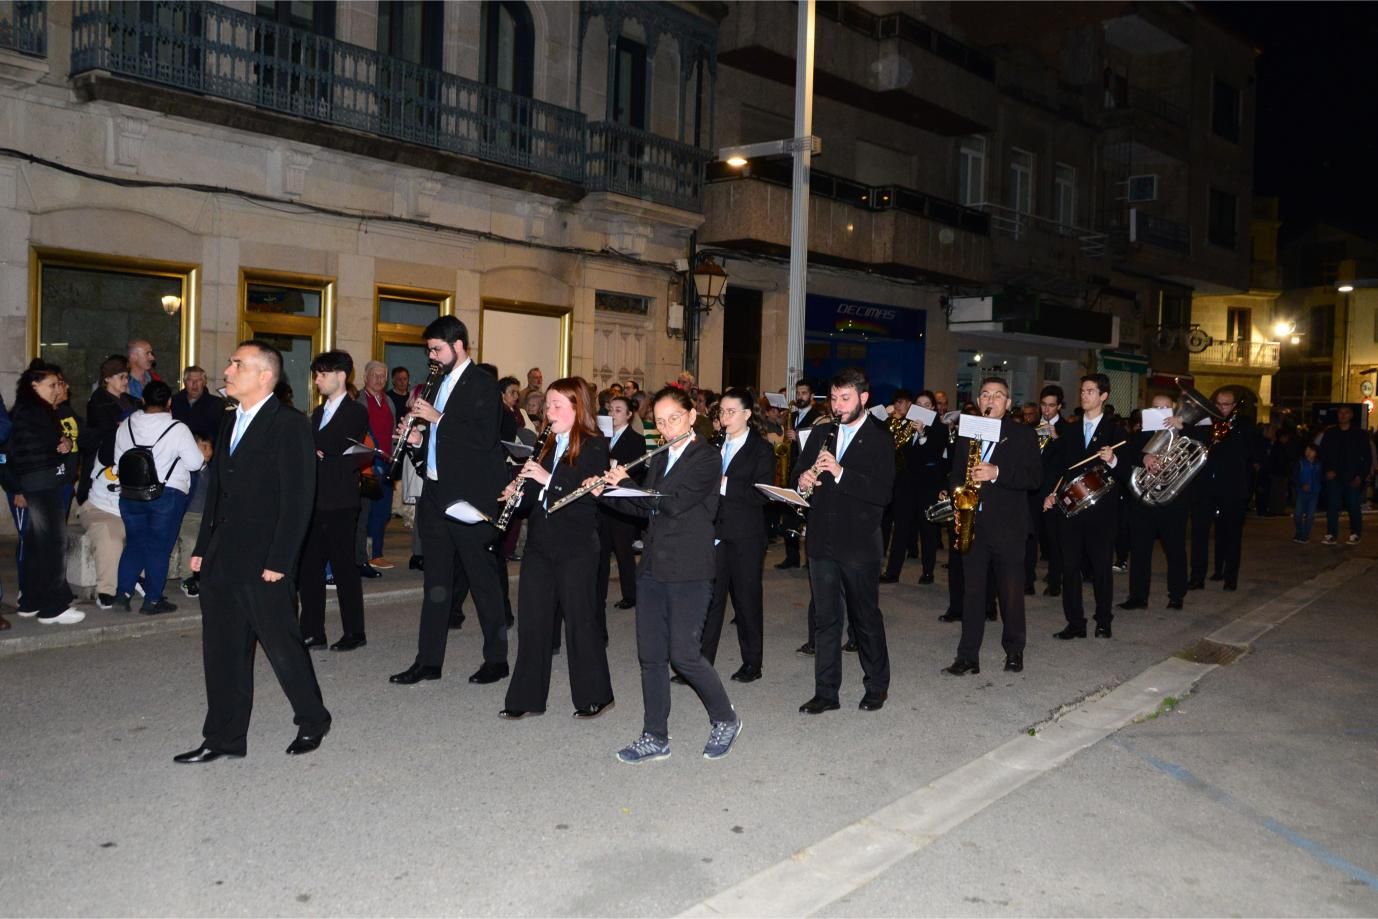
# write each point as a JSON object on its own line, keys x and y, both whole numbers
{"x": 1179, "y": 457}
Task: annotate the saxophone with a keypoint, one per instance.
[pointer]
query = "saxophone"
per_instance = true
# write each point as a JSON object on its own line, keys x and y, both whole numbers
{"x": 782, "y": 462}
{"x": 966, "y": 498}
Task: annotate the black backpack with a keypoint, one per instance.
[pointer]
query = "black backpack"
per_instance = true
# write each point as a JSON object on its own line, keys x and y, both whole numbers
{"x": 139, "y": 472}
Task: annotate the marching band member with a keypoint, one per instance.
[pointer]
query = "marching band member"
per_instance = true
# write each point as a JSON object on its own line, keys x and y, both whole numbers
{"x": 851, "y": 485}
{"x": 925, "y": 471}
{"x": 740, "y": 553}
{"x": 560, "y": 563}
{"x": 1151, "y": 523}
{"x": 1090, "y": 535}
{"x": 1009, "y": 469}
{"x": 617, "y": 530}
{"x": 1222, "y": 494}
{"x": 803, "y": 414}
{"x": 675, "y": 580}
{"x": 1051, "y": 426}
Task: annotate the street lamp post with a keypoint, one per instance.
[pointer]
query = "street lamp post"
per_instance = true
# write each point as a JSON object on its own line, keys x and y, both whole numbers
{"x": 799, "y": 204}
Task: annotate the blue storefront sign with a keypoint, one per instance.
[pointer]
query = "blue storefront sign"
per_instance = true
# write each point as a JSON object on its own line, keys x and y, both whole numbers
{"x": 886, "y": 341}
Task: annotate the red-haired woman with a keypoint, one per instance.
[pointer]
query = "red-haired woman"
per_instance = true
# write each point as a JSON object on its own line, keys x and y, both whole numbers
{"x": 561, "y": 561}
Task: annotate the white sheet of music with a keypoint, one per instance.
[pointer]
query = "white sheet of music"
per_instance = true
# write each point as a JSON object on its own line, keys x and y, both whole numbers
{"x": 979, "y": 427}
{"x": 465, "y": 512}
{"x": 924, "y": 416}
{"x": 880, "y": 413}
{"x": 777, "y": 399}
{"x": 783, "y": 495}
{"x": 803, "y": 434}
{"x": 1154, "y": 418}
{"x": 624, "y": 492}
{"x": 605, "y": 425}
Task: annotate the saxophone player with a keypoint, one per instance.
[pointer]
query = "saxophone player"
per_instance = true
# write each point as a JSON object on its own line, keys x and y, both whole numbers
{"x": 850, "y": 486}
{"x": 1005, "y": 472}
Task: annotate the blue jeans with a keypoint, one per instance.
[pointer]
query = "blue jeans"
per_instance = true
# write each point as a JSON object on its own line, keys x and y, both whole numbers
{"x": 1339, "y": 494}
{"x": 150, "y": 532}
{"x": 379, "y": 513}
{"x": 1305, "y": 513}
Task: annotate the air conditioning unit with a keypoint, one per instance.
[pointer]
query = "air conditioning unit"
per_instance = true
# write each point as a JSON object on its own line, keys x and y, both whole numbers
{"x": 1143, "y": 188}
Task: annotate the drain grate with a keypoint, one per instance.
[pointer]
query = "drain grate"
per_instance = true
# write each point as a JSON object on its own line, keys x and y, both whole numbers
{"x": 1206, "y": 651}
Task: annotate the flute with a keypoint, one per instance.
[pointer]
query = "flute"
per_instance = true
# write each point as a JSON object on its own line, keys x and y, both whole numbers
{"x": 585, "y": 489}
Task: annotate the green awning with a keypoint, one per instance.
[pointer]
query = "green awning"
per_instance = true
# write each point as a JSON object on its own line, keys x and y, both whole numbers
{"x": 1123, "y": 361}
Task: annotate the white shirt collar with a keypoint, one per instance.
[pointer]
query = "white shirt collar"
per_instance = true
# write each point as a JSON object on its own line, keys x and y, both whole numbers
{"x": 248, "y": 413}
{"x": 455, "y": 374}
{"x": 683, "y": 445}
{"x": 737, "y": 441}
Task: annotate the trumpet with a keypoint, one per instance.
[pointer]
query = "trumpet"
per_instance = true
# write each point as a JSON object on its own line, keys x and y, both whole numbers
{"x": 399, "y": 444}
{"x": 510, "y": 508}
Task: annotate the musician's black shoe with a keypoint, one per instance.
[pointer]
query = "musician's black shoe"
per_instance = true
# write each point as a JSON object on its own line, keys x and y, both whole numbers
{"x": 489, "y": 672}
{"x": 849, "y": 647}
{"x": 1102, "y": 631}
{"x": 787, "y": 564}
{"x": 926, "y": 578}
{"x": 369, "y": 572}
{"x": 589, "y": 712}
{"x": 350, "y": 642}
{"x": 1217, "y": 576}
{"x": 624, "y": 604}
{"x": 806, "y": 649}
{"x": 1072, "y": 631}
{"x": 416, "y": 563}
{"x": 314, "y": 641}
{"x": 1196, "y": 585}
{"x": 1174, "y": 604}
{"x": 1014, "y": 663}
{"x": 873, "y": 701}
{"x": 415, "y": 674}
{"x": 1231, "y": 585}
{"x": 950, "y": 616}
{"x": 991, "y": 615}
{"x": 889, "y": 579}
{"x": 1133, "y": 604}
{"x": 961, "y": 667}
{"x": 818, "y": 705}
{"x": 747, "y": 674}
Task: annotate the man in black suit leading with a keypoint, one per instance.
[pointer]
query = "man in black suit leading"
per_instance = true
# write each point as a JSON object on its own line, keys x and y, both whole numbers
{"x": 1009, "y": 469}
{"x": 851, "y": 484}
{"x": 802, "y": 414}
{"x": 258, "y": 507}
{"x": 1090, "y": 535}
{"x": 337, "y": 424}
{"x": 459, "y": 457}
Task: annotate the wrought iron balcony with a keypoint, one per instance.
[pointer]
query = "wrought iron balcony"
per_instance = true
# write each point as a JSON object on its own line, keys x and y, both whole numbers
{"x": 639, "y": 164}
{"x": 24, "y": 27}
{"x": 228, "y": 54}
{"x": 1007, "y": 221}
{"x": 1256, "y": 356}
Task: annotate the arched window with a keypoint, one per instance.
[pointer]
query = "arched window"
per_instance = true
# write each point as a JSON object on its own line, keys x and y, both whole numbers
{"x": 509, "y": 46}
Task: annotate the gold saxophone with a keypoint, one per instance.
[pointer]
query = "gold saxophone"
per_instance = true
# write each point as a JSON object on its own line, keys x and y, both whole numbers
{"x": 966, "y": 498}
{"x": 901, "y": 429}
{"x": 782, "y": 460}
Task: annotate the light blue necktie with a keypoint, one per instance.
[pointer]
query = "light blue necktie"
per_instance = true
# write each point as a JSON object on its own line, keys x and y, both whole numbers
{"x": 561, "y": 442}
{"x": 987, "y": 449}
{"x": 844, "y": 440}
{"x": 440, "y": 399}
{"x": 327, "y": 413}
{"x": 726, "y": 455}
{"x": 238, "y": 429}
{"x": 670, "y": 458}
{"x": 1090, "y": 427}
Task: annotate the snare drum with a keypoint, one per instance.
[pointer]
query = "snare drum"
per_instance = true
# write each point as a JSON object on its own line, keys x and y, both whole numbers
{"x": 1085, "y": 490}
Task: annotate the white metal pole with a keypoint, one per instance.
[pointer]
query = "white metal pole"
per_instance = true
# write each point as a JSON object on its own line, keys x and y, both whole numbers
{"x": 799, "y": 212}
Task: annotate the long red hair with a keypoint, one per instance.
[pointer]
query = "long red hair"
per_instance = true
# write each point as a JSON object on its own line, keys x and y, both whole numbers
{"x": 577, "y": 391}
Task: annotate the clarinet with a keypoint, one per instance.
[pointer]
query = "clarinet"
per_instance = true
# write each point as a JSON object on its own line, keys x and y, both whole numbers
{"x": 515, "y": 501}
{"x": 399, "y": 445}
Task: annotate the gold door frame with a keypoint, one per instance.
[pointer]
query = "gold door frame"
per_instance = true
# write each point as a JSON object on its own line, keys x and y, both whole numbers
{"x": 321, "y": 330}
{"x": 563, "y": 313}
{"x": 398, "y": 333}
{"x": 188, "y": 273}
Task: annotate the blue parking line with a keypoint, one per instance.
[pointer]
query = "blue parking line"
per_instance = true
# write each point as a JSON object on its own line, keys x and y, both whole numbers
{"x": 1312, "y": 848}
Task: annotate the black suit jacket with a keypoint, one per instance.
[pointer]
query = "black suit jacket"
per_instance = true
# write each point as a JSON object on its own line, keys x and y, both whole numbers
{"x": 470, "y": 461}
{"x": 844, "y": 517}
{"x": 678, "y": 543}
{"x": 926, "y": 464}
{"x": 258, "y": 499}
{"x": 1071, "y": 448}
{"x": 573, "y": 528}
{"x": 204, "y": 417}
{"x": 1229, "y": 465}
{"x": 630, "y": 446}
{"x": 741, "y": 510}
{"x": 1003, "y": 514}
{"x": 337, "y": 475}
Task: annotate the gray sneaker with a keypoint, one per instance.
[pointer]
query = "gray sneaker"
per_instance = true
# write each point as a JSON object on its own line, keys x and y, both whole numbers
{"x": 645, "y": 749}
{"x": 721, "y": 737}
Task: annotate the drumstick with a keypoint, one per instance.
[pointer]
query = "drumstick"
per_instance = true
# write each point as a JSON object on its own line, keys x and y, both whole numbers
{"x": 1095, "y": 456}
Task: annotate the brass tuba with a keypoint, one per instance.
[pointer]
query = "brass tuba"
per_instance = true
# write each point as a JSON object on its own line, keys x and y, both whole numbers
{"x": 1179, "y": 457}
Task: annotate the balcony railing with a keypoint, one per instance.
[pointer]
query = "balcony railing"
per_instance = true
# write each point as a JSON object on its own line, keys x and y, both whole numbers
{"x": 228, "y": 54}
{"x": 1007, "y": 221}
{"x": 1251, "y": 355}
{"x": 870, "y": 197}
{"x": 1121, "y": 96}
{"x": 644, "y": 165}
{"x": 24, "y": 27}
{"x": 909, "y": 29}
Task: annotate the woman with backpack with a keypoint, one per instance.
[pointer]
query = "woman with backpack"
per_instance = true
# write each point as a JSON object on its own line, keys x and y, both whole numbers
{"x": 40, "y": 472}
{"x": 155, "y": 455}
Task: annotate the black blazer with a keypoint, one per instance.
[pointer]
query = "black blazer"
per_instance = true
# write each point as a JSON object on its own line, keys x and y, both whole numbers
{"x": 574, "y": 528}
{"x": 471, "y": 463}
{"x": 1229, "y": 464}
{"x": 1071, "y": 448}
{"x": 678, "y": 542}
{"x": 337, "y": 475}
{"x": 926, "y": 464}
{"x": 258, "y": 499}
{"x": 204, "y": 417}
{"x": 809, "y": 420}
{"x": 844, "y": 517}
{"x": 1003, "y": 514}
{"x": 630, "y": 446}
{"x": 741, "y": 514}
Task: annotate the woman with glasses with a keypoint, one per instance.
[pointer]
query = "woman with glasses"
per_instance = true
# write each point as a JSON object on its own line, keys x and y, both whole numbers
{"x": 675, "y": 579}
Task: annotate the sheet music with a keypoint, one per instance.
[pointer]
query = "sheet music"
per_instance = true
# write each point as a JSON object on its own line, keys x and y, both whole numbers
{"x": 777, "y": 399}
{"x": 465, "y": 512}
{"x": 625, "y": 492}
{"x": 803, "y": 434}
{"x": 517, "y": 449}
{"x": 880, "y": 413}
{"x": 1153, "y": 418}
{"x": 924, "y": 416}
{"x": 359, "y": 448}
{"x": 605, "y": 425}
{"x": 979, "y": 427}
{"x": 783, "y": 495}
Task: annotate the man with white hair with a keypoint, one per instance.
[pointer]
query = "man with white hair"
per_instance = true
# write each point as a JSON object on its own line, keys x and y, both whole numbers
{"x": 142, "y": 360}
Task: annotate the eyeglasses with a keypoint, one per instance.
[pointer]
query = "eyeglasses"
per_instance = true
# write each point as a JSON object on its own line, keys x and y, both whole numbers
{"x": 732, "y": 412}
{"x": 670, "y": 420}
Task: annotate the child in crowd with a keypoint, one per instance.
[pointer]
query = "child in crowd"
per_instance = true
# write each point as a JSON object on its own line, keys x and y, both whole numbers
{"x": 1308, "y": 489}
{"x": 191, "y": 521}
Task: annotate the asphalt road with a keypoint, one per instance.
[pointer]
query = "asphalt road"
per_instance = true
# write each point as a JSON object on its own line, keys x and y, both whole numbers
{"x": 1252, "y": 797}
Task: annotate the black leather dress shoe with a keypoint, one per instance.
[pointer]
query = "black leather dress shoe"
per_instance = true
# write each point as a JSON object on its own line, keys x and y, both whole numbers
{"x": 1103, "y": 631}
{"x": 1072, "y": 631}
{"x": 416, "y": 563}
{"x": 1196, "y": 585}
{"x": 456, "y": 620}
{"x": 1133, "y": 604}
{"x": 204, "y": 754}
{"x": 314, "y": 641}
{"x": 873, "y": 701}
{"x": 415, "y": 674}
{"x": 350, "y": 642}
{"x": 516, "y": 714}
{"x": 991, "y": 615}
{"x": 305, "y": 743}
{"x": 624, "y": 604}
{"x": 490, "y": 672}
{"x": 593, "y": 711}
{"x": 961, "y": 667}
{"x": 889, "y": 579}
{"x": 678, "y": 680}
{"x": 926, "y": 578}
{"x": 849, "y": 647}
{"x": 368, "y": 572}
{"x": 949, "y": 616}
{"x": 786, "y": 564}
{"x": 1174, "y": 604}
{"x": 818, "y": 705}
{"x": 1014, "y": 663}
{"x": 746, "y": 674}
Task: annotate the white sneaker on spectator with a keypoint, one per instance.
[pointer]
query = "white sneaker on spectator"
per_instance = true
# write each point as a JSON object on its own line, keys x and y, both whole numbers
{"x": 70, "y": 616}
{"x": 1327, "y": 540}
{"x": 27, "y": 613}
{"x": 1353, "y": 539}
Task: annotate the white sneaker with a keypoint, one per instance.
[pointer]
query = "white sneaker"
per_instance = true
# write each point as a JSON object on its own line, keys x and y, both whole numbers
{"x": 27, "y": 613}
{"x": 1327, "y": 540}
{"x": 1353, "y": 539}
{"x": 70, "y": 616}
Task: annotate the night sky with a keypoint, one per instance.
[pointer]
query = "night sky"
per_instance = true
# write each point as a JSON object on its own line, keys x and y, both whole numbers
{"x": 1317, "y": 141}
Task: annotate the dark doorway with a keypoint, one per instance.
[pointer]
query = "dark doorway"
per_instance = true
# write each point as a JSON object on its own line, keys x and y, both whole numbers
{"x": 741, "y": 338}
